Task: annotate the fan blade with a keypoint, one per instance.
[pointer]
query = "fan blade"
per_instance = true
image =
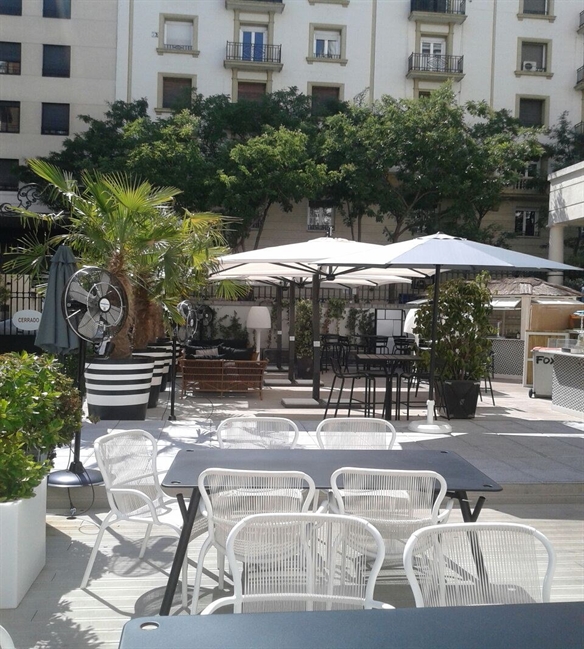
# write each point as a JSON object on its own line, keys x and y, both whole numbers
{"x": 77, "y": 293}
{"x": 87, "y": 327}
{"x": 113, "y": 316}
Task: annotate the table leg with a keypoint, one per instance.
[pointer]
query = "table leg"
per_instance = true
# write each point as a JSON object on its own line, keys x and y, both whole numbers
{"x": 387, "y": 403}
{"x": 181, "y": 549}
{"x": 468, "y": 515}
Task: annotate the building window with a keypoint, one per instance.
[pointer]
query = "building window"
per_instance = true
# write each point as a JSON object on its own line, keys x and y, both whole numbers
{"x": 325, "y": 99}
{"x": 531, "y": 111}
{"x": 250, "y": 91}
{"x": 11, "y": 7}
{"x": 9, "y": 117}
{"x": 176, "y": 91}
{"x": 327, "y": 43}
{"x": 56, "y": 61}
{"x": 253, "y": 39}
{"x": 8, "y": 177}
{"x": 178, "y": 34}
{"x": 526, "y": 222}
{"x": 55, "y": 119}
{"x": 534, "y": 57}
{"x": 9, "y": 58}
{"x": 321, "y": 216}
{"x": 56, "y": 8}
{"x": 536, "y": 7}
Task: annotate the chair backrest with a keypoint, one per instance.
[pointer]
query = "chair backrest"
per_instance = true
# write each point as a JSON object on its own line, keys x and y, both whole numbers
{"x": 397, "y": 503}
{"x": 257, "y": 432}
{"x": 469, "y": 564}
{"x": 303, "y": 562}
{"x": 5, "y": 639}
{"x": 127, "y": 461}
{"x": 355, "y": 433}
{"x": 230, "y": 495}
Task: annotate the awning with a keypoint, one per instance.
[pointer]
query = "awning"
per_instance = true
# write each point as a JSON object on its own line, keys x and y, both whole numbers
{"x": 544, "y": 300}
{"x": 505, "y": 303}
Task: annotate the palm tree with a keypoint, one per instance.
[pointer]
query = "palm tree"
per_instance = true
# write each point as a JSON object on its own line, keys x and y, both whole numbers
{"x": 130, "y": 228}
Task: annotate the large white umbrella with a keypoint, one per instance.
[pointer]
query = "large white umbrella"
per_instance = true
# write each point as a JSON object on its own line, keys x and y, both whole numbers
{"x": 294, "y": 260}
{"x": 438, "y": 252}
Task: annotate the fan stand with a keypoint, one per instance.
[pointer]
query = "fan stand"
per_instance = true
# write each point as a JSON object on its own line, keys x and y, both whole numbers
{"x": 76, "y": 475}
{"x": 172, "y": 416}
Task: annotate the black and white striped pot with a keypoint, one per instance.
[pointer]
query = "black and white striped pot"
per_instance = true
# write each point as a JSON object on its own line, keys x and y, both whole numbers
{"x": 167, "y": 348}
{"x": 159, "y": 358}
{"x": 118, "y": 388}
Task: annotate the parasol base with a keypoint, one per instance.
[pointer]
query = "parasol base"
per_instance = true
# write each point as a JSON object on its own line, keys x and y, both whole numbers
{"x": 67, "y": 478}
{"x": 429, "y": 425}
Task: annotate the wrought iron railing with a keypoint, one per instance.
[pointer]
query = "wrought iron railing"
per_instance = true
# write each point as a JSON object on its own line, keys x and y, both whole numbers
{"x": 178, "y": 48}
{"x": 580, "y": 75}
{"x": 253, "y": 53}
{"x": 327, "y": 55}
{"x": 440, "y": 63}
{"x": 579, "y": 128}
{"x": 440, "y": 6}
{"x": 582, "y": 19}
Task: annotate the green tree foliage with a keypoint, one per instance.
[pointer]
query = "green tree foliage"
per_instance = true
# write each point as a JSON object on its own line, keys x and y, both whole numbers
{"x": 567, "y": 143}
{"x": 304, "y": 329}
{"x": 273, "y": 168}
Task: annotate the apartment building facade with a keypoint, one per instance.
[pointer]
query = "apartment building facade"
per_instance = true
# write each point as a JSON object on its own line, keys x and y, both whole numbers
{"x": 523, "y": 55}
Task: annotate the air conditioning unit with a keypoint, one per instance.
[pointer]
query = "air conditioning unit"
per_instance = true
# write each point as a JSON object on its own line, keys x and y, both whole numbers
{"x": 530, "y": 66}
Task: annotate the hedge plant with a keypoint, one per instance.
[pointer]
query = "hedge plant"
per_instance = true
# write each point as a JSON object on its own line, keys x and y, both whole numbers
{"x": 39, "y": 409}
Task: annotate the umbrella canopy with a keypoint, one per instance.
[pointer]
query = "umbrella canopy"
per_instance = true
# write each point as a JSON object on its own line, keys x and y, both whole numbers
{"x": 440, "y": 251}
{"x": 54, "y": 334}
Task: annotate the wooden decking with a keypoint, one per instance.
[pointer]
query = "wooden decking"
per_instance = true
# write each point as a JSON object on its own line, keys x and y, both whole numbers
{"x": 57, "y": 614}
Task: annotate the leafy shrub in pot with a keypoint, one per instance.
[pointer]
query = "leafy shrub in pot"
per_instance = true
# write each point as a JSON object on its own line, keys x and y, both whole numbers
{"x": 39, "y": 409}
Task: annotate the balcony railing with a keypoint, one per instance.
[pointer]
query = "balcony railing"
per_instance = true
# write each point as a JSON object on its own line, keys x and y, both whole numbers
{"x": 439, "y": 6}
{"x": 582, "y": 19}
{"x": 580, "y": 75}
{"x": 579, "y": 128}
{"x": 439, "y": 63}
{"x": 254, "y": 53}
{"x": 178, "y": 48}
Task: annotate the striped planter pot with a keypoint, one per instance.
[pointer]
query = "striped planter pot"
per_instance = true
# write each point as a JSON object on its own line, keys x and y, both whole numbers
{"x": 118, "y": 388}
{"x": 167, "y": 348}
{"x": 159, "y": 358}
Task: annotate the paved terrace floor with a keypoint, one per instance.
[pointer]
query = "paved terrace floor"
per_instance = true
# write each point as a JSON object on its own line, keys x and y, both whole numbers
{"x": 534, "y": 452}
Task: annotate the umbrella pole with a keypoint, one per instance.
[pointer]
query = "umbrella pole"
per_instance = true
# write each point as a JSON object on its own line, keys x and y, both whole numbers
{"x": 430, "y": 426}
{"x": 292, "y": 334}
{"x": 279, "y": 291}
{"x": 172, "y": 416}
{"x": 316, "y": 337}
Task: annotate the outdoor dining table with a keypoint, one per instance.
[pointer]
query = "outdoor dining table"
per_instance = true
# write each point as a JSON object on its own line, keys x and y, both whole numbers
{"x": 529, "y": 626}
{"x": 390, "y": 363}
{"x": 461, "y": 477}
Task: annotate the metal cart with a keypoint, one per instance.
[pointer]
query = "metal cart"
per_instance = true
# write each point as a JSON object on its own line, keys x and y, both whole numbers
{"x": 543, "y": 362}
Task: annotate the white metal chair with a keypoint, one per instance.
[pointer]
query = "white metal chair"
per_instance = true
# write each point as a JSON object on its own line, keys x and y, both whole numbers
{"x": 355, "y": 433}
{"x": 6, "y": 641}
{"x": 468, "y": 564}
{"x": 127, "y": 461}
{"x": 397, "y": 503}
{"x": 229, "y": 495}
{"x": 302, "y": 562}
{"x": 257, "y": 432}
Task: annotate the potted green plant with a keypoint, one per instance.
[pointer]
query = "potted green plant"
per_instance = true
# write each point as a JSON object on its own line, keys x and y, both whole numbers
{"x": 334, "y": 312}
{"x": 40, "y": 409}
{"x": 131, "y": 229}
{"x": 304, "y": 340}
{"x": 462, "y": 345}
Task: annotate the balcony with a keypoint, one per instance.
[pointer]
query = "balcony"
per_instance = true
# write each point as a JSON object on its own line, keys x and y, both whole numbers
{"x": 435, "y": 67}
{"x": 256, "y": 6}
{"x": 580, "y": 78}
{"x": 527, "y": 186}
{"x": 438, "y": 11}
{"x": 245, "y": 56}
{"x": 581, "y": 27}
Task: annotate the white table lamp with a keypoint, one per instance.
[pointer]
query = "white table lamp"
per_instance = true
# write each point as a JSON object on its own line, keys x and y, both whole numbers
{"x": 258, "y": 318}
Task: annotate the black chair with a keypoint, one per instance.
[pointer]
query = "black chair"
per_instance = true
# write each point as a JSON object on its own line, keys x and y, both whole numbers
{"x": 343, "y": 375}
{"x": 328, "y": 345}
{"x": 489, "y": 373}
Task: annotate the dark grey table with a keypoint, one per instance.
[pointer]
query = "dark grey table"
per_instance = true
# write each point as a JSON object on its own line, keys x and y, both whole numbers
{"x": 517, "y": 626}
{"x": 461, "y": 477}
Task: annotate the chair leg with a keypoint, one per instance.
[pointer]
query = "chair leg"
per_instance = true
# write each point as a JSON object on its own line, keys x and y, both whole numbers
{"x": 103, "y": 527}
{"x": 351, "y": 397}
{"x": 340, "y": 396}
{"x": 199, "y": 575}
{"x": 145, "y": 541}
{"x": 185, "y": 583}
{"x": 328, "y": 403}
{"x": 488, "y": 378}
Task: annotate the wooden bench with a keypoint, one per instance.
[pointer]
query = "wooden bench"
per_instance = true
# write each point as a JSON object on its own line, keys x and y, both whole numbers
{"x": 206, "y": 375}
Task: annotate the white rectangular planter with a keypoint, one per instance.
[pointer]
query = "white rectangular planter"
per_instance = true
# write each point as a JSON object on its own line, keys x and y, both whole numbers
{"x": 22, "y": 545}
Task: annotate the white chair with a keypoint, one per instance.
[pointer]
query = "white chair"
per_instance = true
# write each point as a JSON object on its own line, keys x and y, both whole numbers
{"x": 257, "y": 432}
{"x": 355, "y": 433}
{"x": 5, "y": 639}
{"x": 397, "y": 503}
{"x": 127, "y": 461}
{"x": 302, "y": 562}
{"x": 229, "y": 495}
{"x": 468, "y": 564}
